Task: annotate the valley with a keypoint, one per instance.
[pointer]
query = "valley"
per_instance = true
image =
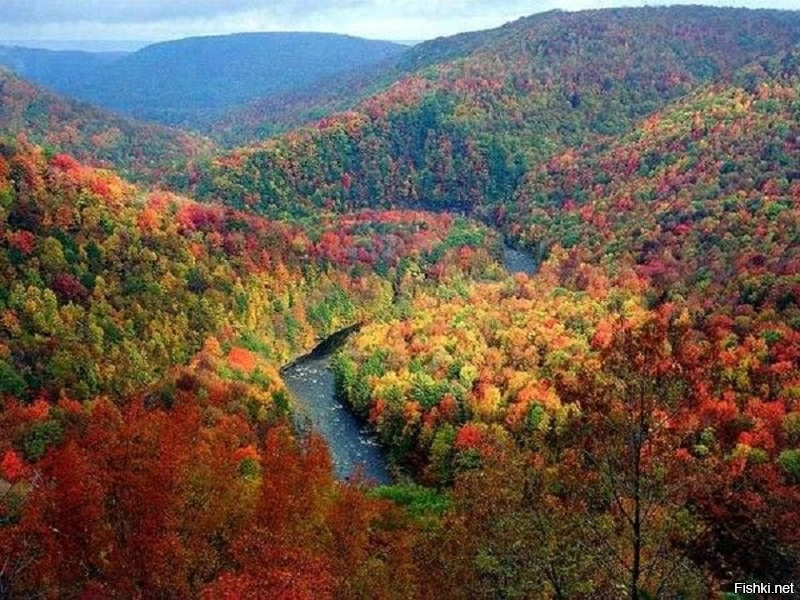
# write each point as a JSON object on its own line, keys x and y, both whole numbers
{"x": 311, "y": 379}
{"x": 507, "y": 314}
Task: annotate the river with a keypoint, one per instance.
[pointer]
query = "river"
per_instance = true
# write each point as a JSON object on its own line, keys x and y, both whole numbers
{"x": 518, "y": 261}
{"x": 352, "y": 445}
{"x": 310, "y": 379}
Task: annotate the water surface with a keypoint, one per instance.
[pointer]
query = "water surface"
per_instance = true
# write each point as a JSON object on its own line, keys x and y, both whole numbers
{"x": 518, "y": 261}
{"x": 352, "y": 445}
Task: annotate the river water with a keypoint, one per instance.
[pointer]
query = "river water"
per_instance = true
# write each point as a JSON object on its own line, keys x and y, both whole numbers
{"x": 518, "y": 261}
{"x": 352, "y": 445}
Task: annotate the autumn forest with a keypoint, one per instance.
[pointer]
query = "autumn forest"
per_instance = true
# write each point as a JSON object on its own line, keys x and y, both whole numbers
{"x": 621, "y": 421}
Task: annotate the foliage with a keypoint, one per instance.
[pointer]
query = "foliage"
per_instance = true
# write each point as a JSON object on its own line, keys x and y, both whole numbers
{"x": 106, "y": 288}
{"x": 624, "y": 421}
{"x": 139, "y": 150}
{"x": 465, "y": 117}
{"x": 188, "y": 501}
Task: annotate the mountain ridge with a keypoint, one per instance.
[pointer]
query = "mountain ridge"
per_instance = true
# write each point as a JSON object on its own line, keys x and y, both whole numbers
{"x": 463, "y": 132}
{"x": 191, "y": 81}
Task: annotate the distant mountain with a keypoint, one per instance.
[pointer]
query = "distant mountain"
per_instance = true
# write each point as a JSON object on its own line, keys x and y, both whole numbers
{"x": 193, "y": 81}
{"x": 466, "y": 117}
{"x": 140, "y": 150}
{"x": 80, "y": 45}
{"x": 58, "y": 70}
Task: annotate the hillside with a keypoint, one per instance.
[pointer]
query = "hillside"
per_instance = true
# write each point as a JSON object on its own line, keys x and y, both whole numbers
{"x": 462, "y": 132}
{"x": 668, "y": 292}
{"x": 699, "y": 198}
{"x": 193, "y": 81}
{"x": 91, "y": 237}
{"x": 144, "y": 328}
{"x": 140, "y": 150}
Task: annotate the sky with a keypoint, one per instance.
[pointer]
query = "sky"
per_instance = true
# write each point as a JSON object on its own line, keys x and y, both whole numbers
{"x": 154, "y": 20}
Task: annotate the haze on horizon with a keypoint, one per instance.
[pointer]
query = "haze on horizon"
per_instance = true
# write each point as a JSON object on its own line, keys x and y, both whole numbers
{"x": 155, "y": 20}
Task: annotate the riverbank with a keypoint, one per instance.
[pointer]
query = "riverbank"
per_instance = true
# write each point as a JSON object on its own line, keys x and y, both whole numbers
{"x": 312, "y": 383}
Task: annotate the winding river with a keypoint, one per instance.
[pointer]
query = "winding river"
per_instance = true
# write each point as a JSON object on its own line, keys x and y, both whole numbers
{"x": 311, "y": 381}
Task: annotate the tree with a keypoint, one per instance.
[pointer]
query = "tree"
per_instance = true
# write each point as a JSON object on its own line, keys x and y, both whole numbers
{"x": 636, "y": 474}
{"x": 510, "y": 533}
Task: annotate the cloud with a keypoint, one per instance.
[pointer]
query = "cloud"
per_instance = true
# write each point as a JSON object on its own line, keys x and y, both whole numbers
{"x": 42, "y": 12}
{"x": 388, "y": 19}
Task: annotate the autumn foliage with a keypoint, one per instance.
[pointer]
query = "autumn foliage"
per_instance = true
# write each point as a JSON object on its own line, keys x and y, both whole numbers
{"x": 626, "y": 418}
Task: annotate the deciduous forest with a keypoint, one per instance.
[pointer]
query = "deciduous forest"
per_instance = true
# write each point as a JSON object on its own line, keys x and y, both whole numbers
{"x": 624, "y": 422}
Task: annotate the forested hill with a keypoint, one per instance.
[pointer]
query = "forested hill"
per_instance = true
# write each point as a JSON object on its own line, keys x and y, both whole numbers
{"x": 140, "y": 339}
{"x": 462, "y": 132}
{"x": 78, "y": 236}
{"x": 723, "y": 159}
{"x": 191, "y": 82}
{"x": 689, "y": 223}
{"x": 139, "y": 150}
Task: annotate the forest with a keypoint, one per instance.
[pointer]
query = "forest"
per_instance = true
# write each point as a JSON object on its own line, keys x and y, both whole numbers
{"x": 622, "y": 423}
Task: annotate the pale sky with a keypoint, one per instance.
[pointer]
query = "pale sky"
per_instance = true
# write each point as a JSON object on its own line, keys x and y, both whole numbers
{"x": 381, "y": 19}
